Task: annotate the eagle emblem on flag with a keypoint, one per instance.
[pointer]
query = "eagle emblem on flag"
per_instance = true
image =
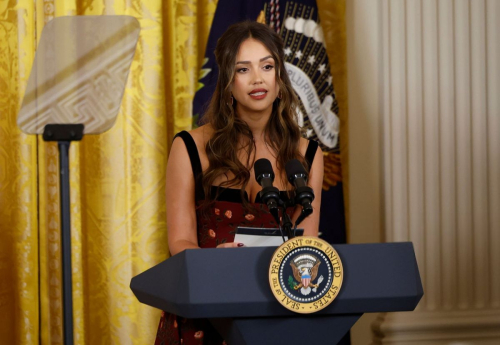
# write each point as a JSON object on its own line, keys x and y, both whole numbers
{"x": 305, "y": 270}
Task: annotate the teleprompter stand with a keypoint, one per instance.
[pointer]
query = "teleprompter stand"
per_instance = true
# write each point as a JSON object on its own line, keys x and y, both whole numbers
{"x": 64, "y": 134}
{"x": 75, "y": 88}
{"x": 231, "y": 288}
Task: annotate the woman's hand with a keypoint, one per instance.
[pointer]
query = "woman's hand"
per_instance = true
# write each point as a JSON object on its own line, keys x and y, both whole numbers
{"x": 230, "y": 245}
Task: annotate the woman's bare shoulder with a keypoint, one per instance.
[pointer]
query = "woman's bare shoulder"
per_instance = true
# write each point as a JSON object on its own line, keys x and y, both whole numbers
{"x": 303, "y": 143}
{"x": 201, "y": 135}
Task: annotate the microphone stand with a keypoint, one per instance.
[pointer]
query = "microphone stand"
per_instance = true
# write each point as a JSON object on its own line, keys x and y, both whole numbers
{"x": 286, "y": 221}
{"x": 287, "y": 225}
{"x": 276, "y": 216}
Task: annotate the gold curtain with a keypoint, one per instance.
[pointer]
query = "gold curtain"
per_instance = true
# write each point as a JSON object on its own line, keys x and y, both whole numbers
{"x": 117, "y": 178}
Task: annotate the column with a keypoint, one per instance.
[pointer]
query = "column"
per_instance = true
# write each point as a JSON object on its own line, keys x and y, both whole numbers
{"x": 440, "y": 113}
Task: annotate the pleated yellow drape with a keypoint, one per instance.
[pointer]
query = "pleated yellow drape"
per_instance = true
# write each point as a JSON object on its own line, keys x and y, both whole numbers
{"x": 19, "y": 302}
{"x": 117, "y": 178}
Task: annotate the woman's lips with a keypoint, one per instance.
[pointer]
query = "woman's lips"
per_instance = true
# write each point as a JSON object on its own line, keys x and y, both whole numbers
{"x": 258, "y": 94}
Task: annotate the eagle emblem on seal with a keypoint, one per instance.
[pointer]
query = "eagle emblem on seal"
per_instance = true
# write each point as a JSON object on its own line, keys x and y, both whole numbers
{"x": 305, "y": 270}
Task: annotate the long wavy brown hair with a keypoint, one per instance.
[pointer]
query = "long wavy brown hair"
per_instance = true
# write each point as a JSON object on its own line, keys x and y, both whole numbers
{"x": 230, "y": 133}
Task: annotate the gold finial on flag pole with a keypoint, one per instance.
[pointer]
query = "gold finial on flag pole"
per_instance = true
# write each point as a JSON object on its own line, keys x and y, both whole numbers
{"x": 261, "y": 18}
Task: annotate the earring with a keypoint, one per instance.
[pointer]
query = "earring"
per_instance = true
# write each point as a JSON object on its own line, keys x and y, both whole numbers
{"x": 232, "y": 100}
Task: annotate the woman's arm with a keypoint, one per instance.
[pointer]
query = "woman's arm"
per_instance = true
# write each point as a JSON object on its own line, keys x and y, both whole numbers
{"x": 181, "y": 212}
{"x": 315, "y": 181}
{"x": 180, "y": 199}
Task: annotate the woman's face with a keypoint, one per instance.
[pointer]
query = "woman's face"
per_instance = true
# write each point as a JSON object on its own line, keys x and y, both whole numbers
{"x": 254, "y": 86}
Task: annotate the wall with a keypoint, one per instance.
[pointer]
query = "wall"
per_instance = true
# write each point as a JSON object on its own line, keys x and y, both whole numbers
{"x": 424, "y": 80}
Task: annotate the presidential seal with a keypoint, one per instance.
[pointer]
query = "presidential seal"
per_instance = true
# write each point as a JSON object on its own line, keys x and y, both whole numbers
{"x": 305, "y": 274}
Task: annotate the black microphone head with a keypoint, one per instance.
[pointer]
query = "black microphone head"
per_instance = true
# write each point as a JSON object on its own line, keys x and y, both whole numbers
{"x": 263, "y": 167}
{"x": 294, "y": 169}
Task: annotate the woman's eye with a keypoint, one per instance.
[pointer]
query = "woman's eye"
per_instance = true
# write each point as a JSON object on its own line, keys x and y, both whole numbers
{"x": 268, "y": 67}
{"x": 241, "y": 70}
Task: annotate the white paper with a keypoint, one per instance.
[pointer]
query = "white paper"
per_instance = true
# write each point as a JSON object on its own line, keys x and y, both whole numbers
{"x": 261, "y": 237}
{"x": 259, "y": 241}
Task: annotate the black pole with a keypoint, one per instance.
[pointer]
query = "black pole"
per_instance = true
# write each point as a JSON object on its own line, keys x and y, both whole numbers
{"x": 64, "y": 134}
{"x": 66, "y": 241}
{"x": 287, "y": 225}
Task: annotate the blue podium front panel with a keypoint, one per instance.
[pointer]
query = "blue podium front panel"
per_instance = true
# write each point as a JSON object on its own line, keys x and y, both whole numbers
{"x": 233, "y": 282}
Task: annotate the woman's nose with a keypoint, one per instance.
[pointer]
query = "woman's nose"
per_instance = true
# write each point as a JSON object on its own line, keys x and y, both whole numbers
{"x": 257, "y": 78}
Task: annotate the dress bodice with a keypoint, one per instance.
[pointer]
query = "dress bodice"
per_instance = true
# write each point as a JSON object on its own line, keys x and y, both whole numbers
{"x": 218, "y": 224}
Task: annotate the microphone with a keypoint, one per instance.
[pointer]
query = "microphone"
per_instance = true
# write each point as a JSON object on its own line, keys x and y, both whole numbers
{"x": 304, "y": 195}
{"x": 269, "y": 194}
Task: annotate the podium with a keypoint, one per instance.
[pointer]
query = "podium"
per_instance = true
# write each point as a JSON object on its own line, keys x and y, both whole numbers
{"x": 230, "y": 287}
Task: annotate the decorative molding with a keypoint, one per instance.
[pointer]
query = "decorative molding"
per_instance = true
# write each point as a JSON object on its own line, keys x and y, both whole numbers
{"x": 429, "y": 328}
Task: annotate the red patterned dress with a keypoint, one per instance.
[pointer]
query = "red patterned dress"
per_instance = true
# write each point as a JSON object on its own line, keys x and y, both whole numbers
{"x": 215, "y": 226}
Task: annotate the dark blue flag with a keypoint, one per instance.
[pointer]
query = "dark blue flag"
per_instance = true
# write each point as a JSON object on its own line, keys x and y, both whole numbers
{"x": 308, "y": 67}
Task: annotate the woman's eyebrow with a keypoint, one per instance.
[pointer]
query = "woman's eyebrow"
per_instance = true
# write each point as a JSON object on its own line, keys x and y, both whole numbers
{"x": 248, "y": 62}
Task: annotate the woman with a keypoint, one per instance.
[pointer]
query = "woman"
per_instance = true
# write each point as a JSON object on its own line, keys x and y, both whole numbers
{"x": 251, "y": 116}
